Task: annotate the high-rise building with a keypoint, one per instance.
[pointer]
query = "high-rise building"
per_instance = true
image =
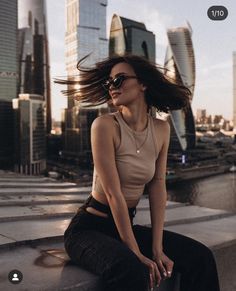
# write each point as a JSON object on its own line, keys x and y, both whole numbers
{"x": 234, "y": 90}
{"x": 129, "y": 36}
{"x": 180, "y": 67}
{"x": 85, "y": 35}
{"x": 34, "y": 77}
{"x": 201, "y": 115}
{"x": 8, "y": 79}
{"x": 30, "y": 134}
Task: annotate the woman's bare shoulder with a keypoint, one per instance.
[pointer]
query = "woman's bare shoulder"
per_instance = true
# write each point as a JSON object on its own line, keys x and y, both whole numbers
{"x": 104, "y": 122}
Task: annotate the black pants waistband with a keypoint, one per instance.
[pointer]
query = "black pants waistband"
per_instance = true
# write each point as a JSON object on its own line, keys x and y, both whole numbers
{"x": 92, "y": 202}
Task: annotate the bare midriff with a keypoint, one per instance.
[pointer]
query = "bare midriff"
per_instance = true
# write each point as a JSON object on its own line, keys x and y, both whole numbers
{"x": 102, "y": 199}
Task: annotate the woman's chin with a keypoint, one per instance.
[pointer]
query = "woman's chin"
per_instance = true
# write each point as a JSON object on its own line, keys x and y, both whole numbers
{"x": 116, "y": 102}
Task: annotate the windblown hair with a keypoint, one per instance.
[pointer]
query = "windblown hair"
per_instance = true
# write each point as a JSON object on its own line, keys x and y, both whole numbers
{"x": 161, "y": 92}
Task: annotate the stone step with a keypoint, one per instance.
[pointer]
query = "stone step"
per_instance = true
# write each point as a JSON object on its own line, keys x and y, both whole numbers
{"x": 25, "y": 184}
{"x": 40, "y": 199}
{"x": 44, "y": 222}
{"x": 185, "y": 214}
{"x": 216, "y": 234}
{"x": 48, "y": 191}
{"x": 15, "y": 178}
{"x": 53, "y": 209}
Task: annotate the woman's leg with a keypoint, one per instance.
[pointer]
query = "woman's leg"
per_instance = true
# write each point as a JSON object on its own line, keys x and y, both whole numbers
{"x": 192, "y": 259}
{"x": 109, "y": 258}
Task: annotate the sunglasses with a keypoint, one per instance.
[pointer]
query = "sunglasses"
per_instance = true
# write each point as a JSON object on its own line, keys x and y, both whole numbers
{"x": 116, "y": 82}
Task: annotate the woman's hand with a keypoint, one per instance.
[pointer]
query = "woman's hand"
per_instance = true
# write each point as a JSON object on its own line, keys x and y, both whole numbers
{"x": 154, "y": 273}
{"x": 164, "y": 264}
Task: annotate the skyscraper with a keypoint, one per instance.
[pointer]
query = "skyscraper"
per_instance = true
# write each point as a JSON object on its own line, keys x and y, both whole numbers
{"x": 180, "y": 67}
{"x": 33, "y": 52}
{"x": 234, "y": 90}
{"x": 130, "y": 36}
{"x": 30, "y": 134}
{"x": 8, "y": 79}
{"x": 85, "y": 34}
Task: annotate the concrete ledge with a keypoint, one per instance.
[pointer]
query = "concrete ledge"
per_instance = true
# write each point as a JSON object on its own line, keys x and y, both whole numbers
{"x": 48, "y": 268}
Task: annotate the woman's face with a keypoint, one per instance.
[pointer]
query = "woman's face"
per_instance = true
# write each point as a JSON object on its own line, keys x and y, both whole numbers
{"x": 131, "y": 89}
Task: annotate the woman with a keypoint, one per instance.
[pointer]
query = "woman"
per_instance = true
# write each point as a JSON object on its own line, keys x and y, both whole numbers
{"x": 129, "y": 150}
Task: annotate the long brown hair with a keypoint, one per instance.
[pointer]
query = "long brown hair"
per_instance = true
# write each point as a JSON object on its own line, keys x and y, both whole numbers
{"x": 161, "y": 91}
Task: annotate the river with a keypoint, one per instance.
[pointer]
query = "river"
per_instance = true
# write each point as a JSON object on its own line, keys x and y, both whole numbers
{"x": 218, "y": 192}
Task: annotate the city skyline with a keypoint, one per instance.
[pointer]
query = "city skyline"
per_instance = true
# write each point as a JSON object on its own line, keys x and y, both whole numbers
{"x": 34, "y": 65}
{"x": 214, "y": 84}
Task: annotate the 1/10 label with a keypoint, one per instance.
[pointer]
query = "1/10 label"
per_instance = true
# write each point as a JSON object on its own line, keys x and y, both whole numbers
{"x": 217, "y": 12}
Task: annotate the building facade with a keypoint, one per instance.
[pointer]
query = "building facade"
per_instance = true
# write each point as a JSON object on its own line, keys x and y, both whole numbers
{"x": 234, "y": 90}
{"x": 8, "y": 79}
{"x": 201, "y": 115}
{"x": 30, "y": 134}
{"x": 85, "y": 35}
{"x": 129, "y": 36}
{"x": 180, "y": 67}
{"x": 34, "y": 73}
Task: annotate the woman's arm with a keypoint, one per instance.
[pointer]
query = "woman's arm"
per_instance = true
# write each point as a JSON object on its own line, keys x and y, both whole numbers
{"x": 103, "y": 149}
{"x": 157, "y": 199}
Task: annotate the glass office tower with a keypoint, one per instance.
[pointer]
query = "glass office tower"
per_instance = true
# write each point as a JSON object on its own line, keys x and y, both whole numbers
{"x": 30, "y": 134}
{"x": 8, "y": 79}
{"x": 85, "y": 34}
{"x": 180, "y": 65}
{"x": 33, "y": 52}
{"x": 130, "y": 36}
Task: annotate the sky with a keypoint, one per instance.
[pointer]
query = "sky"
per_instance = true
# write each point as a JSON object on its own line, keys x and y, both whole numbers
{"x": 213, "y": 43}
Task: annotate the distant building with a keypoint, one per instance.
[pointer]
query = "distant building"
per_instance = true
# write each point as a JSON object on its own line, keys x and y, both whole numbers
{"x": 234, "y": 90}
{"x": 129, "y": 36}
{"x": 85, "y": 34}
{"x": 201, "y": 115}
{"x": 218, "y": 119}
{"x": 34, "y": 77}
{"x": 30, "y": 134}
{"x": 180, "y": 65}
{"x": 8, "y": 79}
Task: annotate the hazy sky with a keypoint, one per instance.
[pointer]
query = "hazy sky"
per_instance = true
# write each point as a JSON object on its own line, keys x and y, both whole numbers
{"x": 213, "y": 41}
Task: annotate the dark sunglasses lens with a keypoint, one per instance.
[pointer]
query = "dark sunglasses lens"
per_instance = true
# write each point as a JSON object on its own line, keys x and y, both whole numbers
{"x": 117, "y": 82}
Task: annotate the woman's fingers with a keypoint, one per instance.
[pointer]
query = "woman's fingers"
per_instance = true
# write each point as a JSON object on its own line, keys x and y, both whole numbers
{"x": 162, "y": 269}
{"x": 155, "y": 275}
{"x": 165, "y": 265}
{"x": 169, "y": 267}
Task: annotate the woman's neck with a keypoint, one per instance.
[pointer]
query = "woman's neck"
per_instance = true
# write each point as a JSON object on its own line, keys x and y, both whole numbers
{"x": 135, "y": 118}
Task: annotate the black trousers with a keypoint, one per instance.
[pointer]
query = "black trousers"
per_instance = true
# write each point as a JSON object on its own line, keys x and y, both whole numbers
{"x": 94, "y": 243}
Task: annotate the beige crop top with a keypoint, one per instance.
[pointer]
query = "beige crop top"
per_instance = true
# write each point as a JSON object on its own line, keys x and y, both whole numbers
{"x": 134, "y": 169}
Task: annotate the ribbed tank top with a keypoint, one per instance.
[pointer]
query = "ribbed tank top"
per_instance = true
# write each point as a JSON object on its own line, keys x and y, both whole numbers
{"x": 134, "y": 169}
